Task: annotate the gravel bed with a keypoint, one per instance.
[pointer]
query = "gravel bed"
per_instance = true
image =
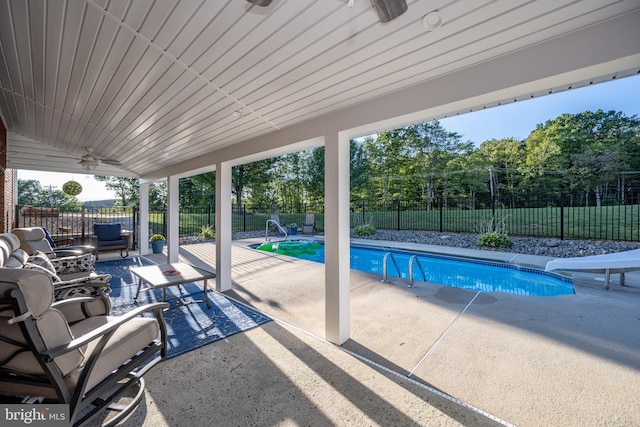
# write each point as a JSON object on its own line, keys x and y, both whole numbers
{"x": 522, "y": 245}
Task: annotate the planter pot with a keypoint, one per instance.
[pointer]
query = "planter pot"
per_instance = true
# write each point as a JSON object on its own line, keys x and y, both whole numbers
{"x": 157, "y": 246}
{"x": 293, "y": 231}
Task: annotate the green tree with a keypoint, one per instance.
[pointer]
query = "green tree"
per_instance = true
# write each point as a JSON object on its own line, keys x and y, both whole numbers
{"x": 388, "y": 163}
{"x": 250, "y": 177}
{"x": 360, "y": 172}
{"x": 433, "y": 149}
{"x": 31, "y": 193}
{"x": 552, "y": 147}
{"x": 315, "y": 178}
{"x": 127, "y": 189}
{"x": 157, "y": 195}
{"x": 505, "y": 159}
{"x": 593, "y": 171}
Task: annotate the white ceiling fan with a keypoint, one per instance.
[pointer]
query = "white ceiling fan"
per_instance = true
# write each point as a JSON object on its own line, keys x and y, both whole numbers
{"x": 90, "y": 160}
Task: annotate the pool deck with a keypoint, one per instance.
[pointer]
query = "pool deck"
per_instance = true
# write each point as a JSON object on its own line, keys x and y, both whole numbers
{"x": 429, "y": 355}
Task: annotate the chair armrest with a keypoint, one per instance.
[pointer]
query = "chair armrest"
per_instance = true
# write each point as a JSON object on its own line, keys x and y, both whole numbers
{"x": 65, "y": 241}
{"x": 105, "y": 331}
{"x": 66, "y": 252}
{"x": 71, "y": 301}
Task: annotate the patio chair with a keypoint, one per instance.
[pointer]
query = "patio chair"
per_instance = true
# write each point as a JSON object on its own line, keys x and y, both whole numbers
{"x": 309, "y": 225}
{"x": 94, "y": 365}
{"x": 34, "y": 239}
{"x": 110, "y": 237}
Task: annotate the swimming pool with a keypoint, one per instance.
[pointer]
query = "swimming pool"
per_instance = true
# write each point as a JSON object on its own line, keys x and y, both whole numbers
{"x": 464, "y": 273}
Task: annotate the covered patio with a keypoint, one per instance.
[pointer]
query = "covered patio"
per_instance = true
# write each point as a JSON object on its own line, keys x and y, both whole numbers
{"x": 162, "y": 90}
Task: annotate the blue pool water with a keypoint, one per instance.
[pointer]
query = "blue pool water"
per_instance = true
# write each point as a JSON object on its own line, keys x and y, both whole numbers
{"x": 458, "y": 272}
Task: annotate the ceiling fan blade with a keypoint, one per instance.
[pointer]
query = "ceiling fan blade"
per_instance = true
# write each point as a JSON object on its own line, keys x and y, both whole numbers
{"x": 260, "y": 2}
{"x": 388, "y": 10}
{"x": 112, "y": 162}
{"x": 61, "y": 157}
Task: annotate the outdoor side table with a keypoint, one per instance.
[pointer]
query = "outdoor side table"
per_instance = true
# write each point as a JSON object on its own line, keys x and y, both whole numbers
{"x": 175, "y": 274}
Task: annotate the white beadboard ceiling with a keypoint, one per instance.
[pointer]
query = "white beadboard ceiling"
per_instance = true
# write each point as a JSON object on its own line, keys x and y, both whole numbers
{"x": 157, "y": 83}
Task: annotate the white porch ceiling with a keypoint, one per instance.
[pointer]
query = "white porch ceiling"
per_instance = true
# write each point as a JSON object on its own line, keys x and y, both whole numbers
{"x": 155, "y": 84}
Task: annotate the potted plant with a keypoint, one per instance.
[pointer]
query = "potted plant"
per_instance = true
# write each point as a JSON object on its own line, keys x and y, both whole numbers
{"x": 157, "y": 243}
{"x": 293, "y": 229}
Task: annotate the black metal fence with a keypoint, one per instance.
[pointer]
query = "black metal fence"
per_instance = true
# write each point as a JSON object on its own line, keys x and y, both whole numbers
{"x": 543, "y": 216}
{"x": 78, "y": 225}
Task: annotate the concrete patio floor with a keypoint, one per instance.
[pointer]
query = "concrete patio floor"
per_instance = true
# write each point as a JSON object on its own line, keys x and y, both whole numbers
{"x": 430, "y": 355}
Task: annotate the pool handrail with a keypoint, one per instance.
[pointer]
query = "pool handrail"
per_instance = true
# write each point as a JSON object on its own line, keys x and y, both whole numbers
{"x": 424, "y": 278}
{"x": 274, "y": 222}
{"x": 384, "y": 266}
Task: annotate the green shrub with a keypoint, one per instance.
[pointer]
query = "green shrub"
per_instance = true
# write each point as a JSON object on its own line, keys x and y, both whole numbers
{"x": 494, "y": 240}
{"x": 364, "y": 230}
{"x": 156, "y": 237}
{"x": 207, "y": 232}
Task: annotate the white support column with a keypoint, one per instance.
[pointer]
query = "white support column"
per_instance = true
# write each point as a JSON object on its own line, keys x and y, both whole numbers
{"x": 143, "y": 237}
{"x": 173, "y": 243}
{"x": 336, "y": 235}
{"x": 223, "y": 227}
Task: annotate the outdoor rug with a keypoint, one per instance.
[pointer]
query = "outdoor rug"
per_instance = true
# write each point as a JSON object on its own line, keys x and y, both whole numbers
{"x": 190, "y": 326}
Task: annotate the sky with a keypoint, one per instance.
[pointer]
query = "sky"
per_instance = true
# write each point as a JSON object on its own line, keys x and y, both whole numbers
{"x": 515, "y": 120}
{"x": 518, "y": 119}
{"x": 91, "y": 189}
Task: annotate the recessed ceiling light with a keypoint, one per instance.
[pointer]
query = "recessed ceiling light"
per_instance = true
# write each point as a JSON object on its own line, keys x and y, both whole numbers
{"x": 432, "y": 20}
{"x": 238, "y": 114}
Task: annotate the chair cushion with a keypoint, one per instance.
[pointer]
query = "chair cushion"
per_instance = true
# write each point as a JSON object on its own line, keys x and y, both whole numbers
{"x": 107, "y": 243}
{"x": 31, "y": 239}
{"x": 36, "y": 267}
{"x": 13, "y": 262}
{"x": 36, "y": 288}
{"x": 12, "y": 239}
{"x": 29, "y": 233}
{"x": 54, "y": 331}
{"x": 74, "y": 263}
{"x": 8, "y": 243}
{"x": 126, "y": 341}
{"x": 41, "y": 259}
{"x": 107, "y": 231}
{"x": 87, "y": 286}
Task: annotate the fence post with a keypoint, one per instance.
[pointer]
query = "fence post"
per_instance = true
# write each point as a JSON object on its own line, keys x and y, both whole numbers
{"x": 398, "y": 227}
{"x": 493, "y": 214}
{"x": 441, "y": 215}
{"x": 134, "y": 215}
{"x": 164, "y": 221}
{"x": 363, "y": 214}
{"x": 244, "y": 217}
{"x": 561, "y": 216}
{"x": 16, "y": 218}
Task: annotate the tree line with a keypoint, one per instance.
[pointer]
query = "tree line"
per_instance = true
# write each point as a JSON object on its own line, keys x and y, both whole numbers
{"x": 588, "y": 157}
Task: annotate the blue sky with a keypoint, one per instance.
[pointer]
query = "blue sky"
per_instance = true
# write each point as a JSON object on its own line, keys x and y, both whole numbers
{"x": 518, "y": 119}
{"x": 515, "y": 120}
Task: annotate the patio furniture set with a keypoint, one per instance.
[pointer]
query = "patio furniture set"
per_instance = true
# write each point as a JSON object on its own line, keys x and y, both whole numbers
{"x": 60, "y": 344}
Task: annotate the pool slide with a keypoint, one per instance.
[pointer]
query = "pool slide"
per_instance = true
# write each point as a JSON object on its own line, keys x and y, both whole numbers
{"x": 607, "y": 264}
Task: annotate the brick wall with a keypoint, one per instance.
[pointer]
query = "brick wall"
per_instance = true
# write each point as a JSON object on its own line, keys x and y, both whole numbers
{"x": 8, "y": 183}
